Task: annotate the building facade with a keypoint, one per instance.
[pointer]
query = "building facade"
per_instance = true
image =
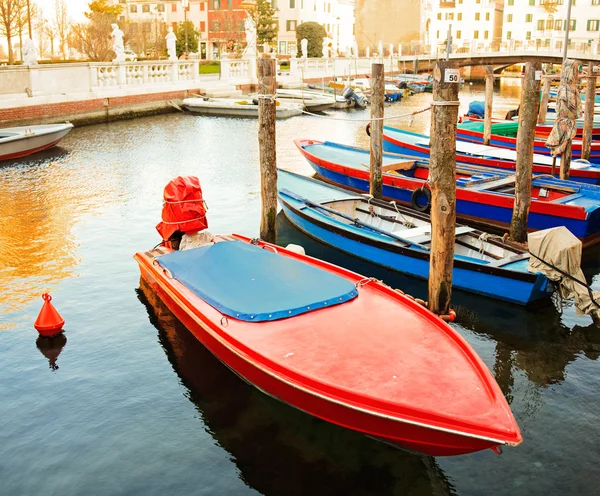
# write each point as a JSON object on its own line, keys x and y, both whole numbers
{"x": 336, "y": 16}
{"x": 146, "y": 22}
{"x": 388, "y": 21}
{"x": 475, "y": 25}
{"x": 541, "y": 24}
{"x": 221, "y": 23}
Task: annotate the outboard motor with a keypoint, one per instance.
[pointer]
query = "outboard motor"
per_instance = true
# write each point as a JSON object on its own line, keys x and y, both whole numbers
{"x": 360, "y": 99}
{"x": 348, "y": 93}
{"x": 184, "y": 211}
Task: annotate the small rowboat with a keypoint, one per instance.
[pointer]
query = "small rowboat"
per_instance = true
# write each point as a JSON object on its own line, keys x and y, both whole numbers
{"x": 473, "y": 132}
{"x": 236, "y": 107}
{"x": 344, "y": 348}
{"x": 17, "y": 142}
{"x": 312, "y": 101}
{"x": 484, "y": 196}
{"x": 399, "y": 238}
{"x": 417, "y": 145}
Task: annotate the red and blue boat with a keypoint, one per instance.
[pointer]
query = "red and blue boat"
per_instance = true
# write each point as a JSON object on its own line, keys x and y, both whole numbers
{"x": 484, "y": 196}
{"x": 337, "y": 345}
{"x": 399, "y": 238}
{"x": 473, "y": 132}
{"x": 417, "y": 145}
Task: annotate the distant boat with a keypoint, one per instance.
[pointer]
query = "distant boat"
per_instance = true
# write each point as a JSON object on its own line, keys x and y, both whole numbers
{"x": 17, "y": 142}
{"x": 483, "y": 195}
{"x": 417, "y": 145}
{"x": 312, "y": 101}
{"x": 236, "y": 107}
{"x": 399, "y": 238}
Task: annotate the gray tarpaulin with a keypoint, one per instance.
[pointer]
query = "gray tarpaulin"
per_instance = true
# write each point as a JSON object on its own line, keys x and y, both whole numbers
{"x": 559, "y": 247}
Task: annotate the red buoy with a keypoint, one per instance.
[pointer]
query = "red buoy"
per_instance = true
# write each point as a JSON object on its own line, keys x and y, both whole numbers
{"x": 49, "y": 321}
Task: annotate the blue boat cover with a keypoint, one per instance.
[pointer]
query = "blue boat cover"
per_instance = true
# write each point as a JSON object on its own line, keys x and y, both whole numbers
{"x": 249, "y": 283}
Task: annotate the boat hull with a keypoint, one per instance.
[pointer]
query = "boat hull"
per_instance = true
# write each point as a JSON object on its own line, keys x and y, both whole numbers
{"x": 482, "y": 208}
{"x": 278, "y": 383}
{"x": 392, "y": 145}
{"x": 521, "y": 289}
{"x": 538, "y": 145}
{"x": 29, "y": 144}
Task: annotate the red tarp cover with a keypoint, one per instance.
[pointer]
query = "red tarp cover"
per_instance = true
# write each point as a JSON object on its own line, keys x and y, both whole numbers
{"x": 184, "y": 209}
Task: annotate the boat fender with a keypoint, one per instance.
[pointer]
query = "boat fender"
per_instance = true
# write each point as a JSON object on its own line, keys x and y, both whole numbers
{"x": 368, "y": 129}
{"x": 414, "y": 199}
{"x": 296, "y": 249}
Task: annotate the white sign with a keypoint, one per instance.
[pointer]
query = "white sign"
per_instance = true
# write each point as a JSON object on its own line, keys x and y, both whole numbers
{"x": 451, "y": 76}
{"x": 538, "y": 75}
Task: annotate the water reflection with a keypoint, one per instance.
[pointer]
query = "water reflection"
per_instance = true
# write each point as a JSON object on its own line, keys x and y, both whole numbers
{"x": 51, "y": 347}
{"x": 280, "y": 450}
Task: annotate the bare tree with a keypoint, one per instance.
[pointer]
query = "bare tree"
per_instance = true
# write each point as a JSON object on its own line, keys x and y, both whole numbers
{"x": 50, "y": 32}
{"x": 9, "y": 17}
{"x": 62, "y": 25}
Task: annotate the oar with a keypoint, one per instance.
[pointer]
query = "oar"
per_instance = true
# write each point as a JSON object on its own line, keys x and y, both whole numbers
{"x": 294, "y": 196}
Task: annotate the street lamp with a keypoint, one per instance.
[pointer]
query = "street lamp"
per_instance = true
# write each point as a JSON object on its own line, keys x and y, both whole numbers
{"x": 185, "y": 4}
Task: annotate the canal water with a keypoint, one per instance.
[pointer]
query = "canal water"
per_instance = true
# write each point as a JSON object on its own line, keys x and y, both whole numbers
{"x": 128, "y": 402}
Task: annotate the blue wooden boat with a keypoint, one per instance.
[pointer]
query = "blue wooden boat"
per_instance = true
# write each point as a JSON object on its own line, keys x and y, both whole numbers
{"x": 417, "y": 145}
{"x": 399, "y": 238}
{"x": 483, "y": 195}
{"x": 473, "y": 132}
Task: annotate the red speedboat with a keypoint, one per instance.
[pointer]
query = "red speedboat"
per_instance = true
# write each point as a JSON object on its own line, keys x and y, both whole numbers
{"x": 345, "y": 348}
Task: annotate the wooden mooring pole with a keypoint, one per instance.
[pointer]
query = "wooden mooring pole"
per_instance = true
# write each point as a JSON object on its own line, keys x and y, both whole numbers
{"x": 267, "y": 87}
{"x": 489, "y": 99}
{"x": 588, "y": 123}
{"x": 377, "y": 98}
{"x": 530, "y": 100}
{"x": 442, "y": 179}
{"x": 545, "y": 99}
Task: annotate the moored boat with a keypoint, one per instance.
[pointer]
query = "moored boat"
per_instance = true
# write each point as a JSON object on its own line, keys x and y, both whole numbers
{"x": 484, "y": 196}
{"x": 417, "y": 145}
{"x": 399, "y": 238}
{"x": 312, "y": 101}
{"x": 277, "y": 317}
{"x": 18, "y": 142}
{"x": 541, "y": 130}
{"x": 236, "y": 107}
{"x": 473, "y": 132}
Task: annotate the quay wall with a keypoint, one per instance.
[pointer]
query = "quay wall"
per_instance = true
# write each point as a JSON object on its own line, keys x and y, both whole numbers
{"x": 94, "y": 110}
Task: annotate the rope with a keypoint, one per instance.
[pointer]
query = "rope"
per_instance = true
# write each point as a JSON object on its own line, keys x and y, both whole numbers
{"x": 270, "y": 98}
{"x": 566, "y": 274}
{"x": 412, "y": 114}
{"x": 439, "y": 103}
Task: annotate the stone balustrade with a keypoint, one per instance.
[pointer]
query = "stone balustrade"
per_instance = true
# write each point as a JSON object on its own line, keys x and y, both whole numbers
{"x": 100, "y": 77}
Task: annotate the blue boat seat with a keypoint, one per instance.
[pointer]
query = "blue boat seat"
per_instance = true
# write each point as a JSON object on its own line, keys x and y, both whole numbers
{"x": 249, "y": 283}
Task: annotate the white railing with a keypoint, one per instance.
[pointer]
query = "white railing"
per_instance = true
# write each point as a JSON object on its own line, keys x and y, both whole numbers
{"x": 236, "y": 68}
{"x": 81, "y": 78}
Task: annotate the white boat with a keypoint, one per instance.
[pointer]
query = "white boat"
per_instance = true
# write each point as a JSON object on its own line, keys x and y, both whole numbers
{"x": 17, "y": 142}
{"x": 312, "y": 101}
{"x": 236, "y": 107}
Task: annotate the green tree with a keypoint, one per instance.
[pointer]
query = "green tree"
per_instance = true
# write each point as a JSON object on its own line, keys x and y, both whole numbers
{"x": 266, "y": 22}
{"x": 314, "y": 33}
{"x": 192, "y": 36}
{"x": 93, "y": 38}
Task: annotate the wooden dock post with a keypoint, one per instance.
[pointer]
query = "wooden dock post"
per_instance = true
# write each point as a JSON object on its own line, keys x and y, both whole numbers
{"x": 530, "y": 98}
{"x": 442, "y": 179}
{"x": 267, "y": 88}
{"x": 377, "y": 98}
{"x": 545, "y": 99}
{"x": 588, "y": 123}
{"x": 489, "y": 99}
